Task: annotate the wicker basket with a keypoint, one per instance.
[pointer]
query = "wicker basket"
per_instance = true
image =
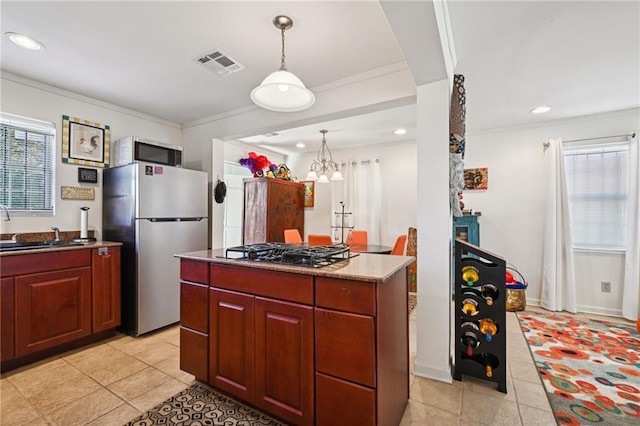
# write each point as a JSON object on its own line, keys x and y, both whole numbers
{"x": 516, "y": 297}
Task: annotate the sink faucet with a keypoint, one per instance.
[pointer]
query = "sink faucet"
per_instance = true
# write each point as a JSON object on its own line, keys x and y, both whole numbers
{"x": 57, "y": 231}
{"x": 4, "y": 208}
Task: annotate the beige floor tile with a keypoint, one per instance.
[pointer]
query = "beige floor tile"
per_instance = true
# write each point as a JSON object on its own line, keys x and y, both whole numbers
{"x": 65, "y": 394}
{"x": 96, "y": 357}
{"x": 419, "y": 414}
{"x": 40, "y": 421}
{"x": 535, "y": 417}
{"x": 437, "y": 394}
{"x": 157, "y": 352}
{"x": 15, "y": 409}
{"x": 531, "y": 395}
{"x": 46, "y": 380}
{"x": 488, "y": 408}
{"x": 157, "y": 395}
{"x": 118, "y": 416}
{"x": 171, "y": 366}
{"x": 91, "y": 350}
{"x": 138, "y": 383}
{"x": 35, "y": 368}
{"x": 135, "y": 345}
{"x": 86, "y": 409}
{"x": 524, "y": 371}
{"x": 120, "y": 340}
{"x": 116, "y": 369}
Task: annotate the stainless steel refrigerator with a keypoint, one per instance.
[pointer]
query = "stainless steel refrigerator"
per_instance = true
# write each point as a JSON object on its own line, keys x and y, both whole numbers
{"x": 155, "y": 211}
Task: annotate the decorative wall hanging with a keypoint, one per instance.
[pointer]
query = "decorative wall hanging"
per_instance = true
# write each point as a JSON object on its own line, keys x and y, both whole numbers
{"x": 476, "y": 178}
{"x": 85, "y": 142}
{"x": 309, "y": 192}
{"x": 77, "y": 193}
{"x": 457, "y": 144}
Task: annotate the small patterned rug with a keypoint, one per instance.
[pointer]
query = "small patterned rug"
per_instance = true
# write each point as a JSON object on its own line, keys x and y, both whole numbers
{"x": 590, "y": 369}
{"x": 201, "y": 405}
{"x": 413, "y": 301}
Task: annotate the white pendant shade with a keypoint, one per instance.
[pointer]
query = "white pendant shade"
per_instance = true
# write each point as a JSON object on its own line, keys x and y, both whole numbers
{"x": 323, "y": 179}
{"x": 311, "y": 175}
{"x": 284, "y": 92}
{"x": 337, "y": 176}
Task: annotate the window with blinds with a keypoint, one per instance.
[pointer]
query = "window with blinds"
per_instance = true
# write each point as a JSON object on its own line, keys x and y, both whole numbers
{"x": 27, "y": 160}
{"x": 597, "y": 180}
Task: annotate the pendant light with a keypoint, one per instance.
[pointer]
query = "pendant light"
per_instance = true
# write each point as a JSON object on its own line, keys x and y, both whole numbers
{"x": 282, "y": 91}
{"x": 324, "y": 164}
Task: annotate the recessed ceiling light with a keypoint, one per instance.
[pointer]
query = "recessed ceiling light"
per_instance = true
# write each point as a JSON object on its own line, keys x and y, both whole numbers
{"x": 541, "y": 109}
{"x": 25, "y": 41}
{"x": 300, "y": 145}
{"x": 400, "y": 131}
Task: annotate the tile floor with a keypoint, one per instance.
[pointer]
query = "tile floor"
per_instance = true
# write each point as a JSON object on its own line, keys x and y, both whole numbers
{"x": 111, "y": 382}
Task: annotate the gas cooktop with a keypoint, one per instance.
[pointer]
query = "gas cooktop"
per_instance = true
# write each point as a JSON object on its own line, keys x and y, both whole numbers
{"x": 291, "y": 254}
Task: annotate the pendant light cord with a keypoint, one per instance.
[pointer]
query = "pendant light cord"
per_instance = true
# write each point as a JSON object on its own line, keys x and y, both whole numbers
{"x": 283, "y": 67}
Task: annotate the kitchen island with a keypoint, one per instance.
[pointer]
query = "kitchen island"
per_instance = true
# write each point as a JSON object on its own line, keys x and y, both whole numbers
{"x": 324, "y": 346}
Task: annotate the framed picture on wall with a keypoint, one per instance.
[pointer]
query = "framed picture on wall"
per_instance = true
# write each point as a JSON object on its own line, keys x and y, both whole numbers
{"x": 309, "y": 192}
{"x": 85, "y": 142}
{"x": 476, "y": 179}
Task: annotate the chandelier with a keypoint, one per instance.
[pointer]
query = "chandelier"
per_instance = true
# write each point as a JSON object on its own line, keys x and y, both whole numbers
{"x": 324, "y": 164}
{"x": 281, "y": 90}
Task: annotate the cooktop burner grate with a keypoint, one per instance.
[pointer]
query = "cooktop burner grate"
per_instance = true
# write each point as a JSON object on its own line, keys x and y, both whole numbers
{"x": 291, "y": 254}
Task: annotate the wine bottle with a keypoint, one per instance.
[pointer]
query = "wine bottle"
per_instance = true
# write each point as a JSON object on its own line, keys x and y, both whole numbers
{"x": 489, "y": 328}
{"x": 489, "y": 361}
{"x": 470, "y": 274}
{"x": 470, "y": 306}
{"x": 490, "y": 293}
{"x": 470, "y": 341}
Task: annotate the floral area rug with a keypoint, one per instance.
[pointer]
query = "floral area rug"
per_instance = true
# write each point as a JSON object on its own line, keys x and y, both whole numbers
{"x": 202, "y": 405}
{"x": 590, "y": 369}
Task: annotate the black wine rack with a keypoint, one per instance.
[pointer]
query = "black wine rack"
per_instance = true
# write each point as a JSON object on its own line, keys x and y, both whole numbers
{"x": 472, "y": 309}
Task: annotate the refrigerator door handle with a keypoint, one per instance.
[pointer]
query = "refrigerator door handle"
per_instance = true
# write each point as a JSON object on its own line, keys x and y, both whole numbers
{"x": 175, "y": 219}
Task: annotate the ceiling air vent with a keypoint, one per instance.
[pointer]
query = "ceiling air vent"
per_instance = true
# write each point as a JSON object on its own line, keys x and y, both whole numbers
{"x": 219, "y": 63}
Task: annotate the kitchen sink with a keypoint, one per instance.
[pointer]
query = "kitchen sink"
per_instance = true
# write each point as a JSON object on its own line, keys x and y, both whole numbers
{"x": 14, "y": 246}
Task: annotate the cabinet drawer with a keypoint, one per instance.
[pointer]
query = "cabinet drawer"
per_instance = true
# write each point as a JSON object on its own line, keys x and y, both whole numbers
{"x": 44, "y": 262}
{"x": 342, "y": 403}
{"x": 344, "y": 295}
{"x": 263, "y": 282}
{"x": 345, "y": 346}
{"x": 194, "y": 353}
{"x": 194, "y": 306}
{"x": 192, "y": 270}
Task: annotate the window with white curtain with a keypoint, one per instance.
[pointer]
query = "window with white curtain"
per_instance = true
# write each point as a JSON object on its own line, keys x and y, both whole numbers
{"x": 597, "y": 181}
{"x": 27, "y": 160}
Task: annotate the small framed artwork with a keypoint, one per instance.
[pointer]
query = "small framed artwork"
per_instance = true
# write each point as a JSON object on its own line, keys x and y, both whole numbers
{"x": 85, "y": 142}
{"x": 476, "y": 179}
{"x": 309, "y": 192}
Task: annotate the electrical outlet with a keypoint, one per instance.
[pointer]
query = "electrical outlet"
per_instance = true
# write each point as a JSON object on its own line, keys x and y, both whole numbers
{"x": 605, "y": 286}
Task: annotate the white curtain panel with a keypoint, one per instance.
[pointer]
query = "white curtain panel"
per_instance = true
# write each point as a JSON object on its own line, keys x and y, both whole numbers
{"x": 631, "y": 285}
{"x": 558, "y": 279}
{"x": 361, "y": 192}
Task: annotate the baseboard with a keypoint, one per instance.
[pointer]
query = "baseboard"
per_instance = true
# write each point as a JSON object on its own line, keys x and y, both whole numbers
{"x": 584, "y": 309}
{"x": 432, "y": 373}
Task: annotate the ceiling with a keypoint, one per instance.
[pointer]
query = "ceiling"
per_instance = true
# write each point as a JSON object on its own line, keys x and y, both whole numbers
{"x": 579, "y": 57}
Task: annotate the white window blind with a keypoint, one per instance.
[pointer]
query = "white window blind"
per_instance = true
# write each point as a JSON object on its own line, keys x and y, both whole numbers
{"x": 27, "y": 160}
{"x": 597, "y": 180}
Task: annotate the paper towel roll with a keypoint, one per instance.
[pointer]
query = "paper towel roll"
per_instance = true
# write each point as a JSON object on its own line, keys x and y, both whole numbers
{"x": 84, "y": 220}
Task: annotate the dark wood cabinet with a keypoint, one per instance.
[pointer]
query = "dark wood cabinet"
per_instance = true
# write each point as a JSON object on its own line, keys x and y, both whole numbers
{"x": 7, "y": 325}
{"x": 284, "y": 360}
{"x": 270, "y": 207}
{"x": 105, "y": 292}
{"x": 52, "y": 308}
{"x": 56, "y": 300}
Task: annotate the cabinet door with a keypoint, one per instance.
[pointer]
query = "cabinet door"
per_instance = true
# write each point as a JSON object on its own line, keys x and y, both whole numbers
{"x": 6, "y": 319}
{"x": 105, "y": 294}
{"x": 231, "y": 342}
{"x": 284, "y": 360}
{"x": 52, "y": 308}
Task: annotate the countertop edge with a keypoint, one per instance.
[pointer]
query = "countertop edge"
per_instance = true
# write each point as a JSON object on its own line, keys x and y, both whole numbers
{"x": 84, "y": 246}
{"x": 352, "y": 269}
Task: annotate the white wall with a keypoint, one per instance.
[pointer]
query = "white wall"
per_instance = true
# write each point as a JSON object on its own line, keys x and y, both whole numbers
{"x": 399, "y": 187}
{"x": 34, "y": 100}
{"x": 512, "y": 207}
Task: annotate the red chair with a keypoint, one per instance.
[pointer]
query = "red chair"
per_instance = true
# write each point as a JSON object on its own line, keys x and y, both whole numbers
{"x": 356, "y": 237}
{"x": 320, "y": 240}
{"x": 398, "y": 247}
{"x": 292, "y": 236}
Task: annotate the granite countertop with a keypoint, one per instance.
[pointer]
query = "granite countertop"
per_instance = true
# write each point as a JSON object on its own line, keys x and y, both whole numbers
{"x": 82, "y": 246}
{"x": 364, "y": 267}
